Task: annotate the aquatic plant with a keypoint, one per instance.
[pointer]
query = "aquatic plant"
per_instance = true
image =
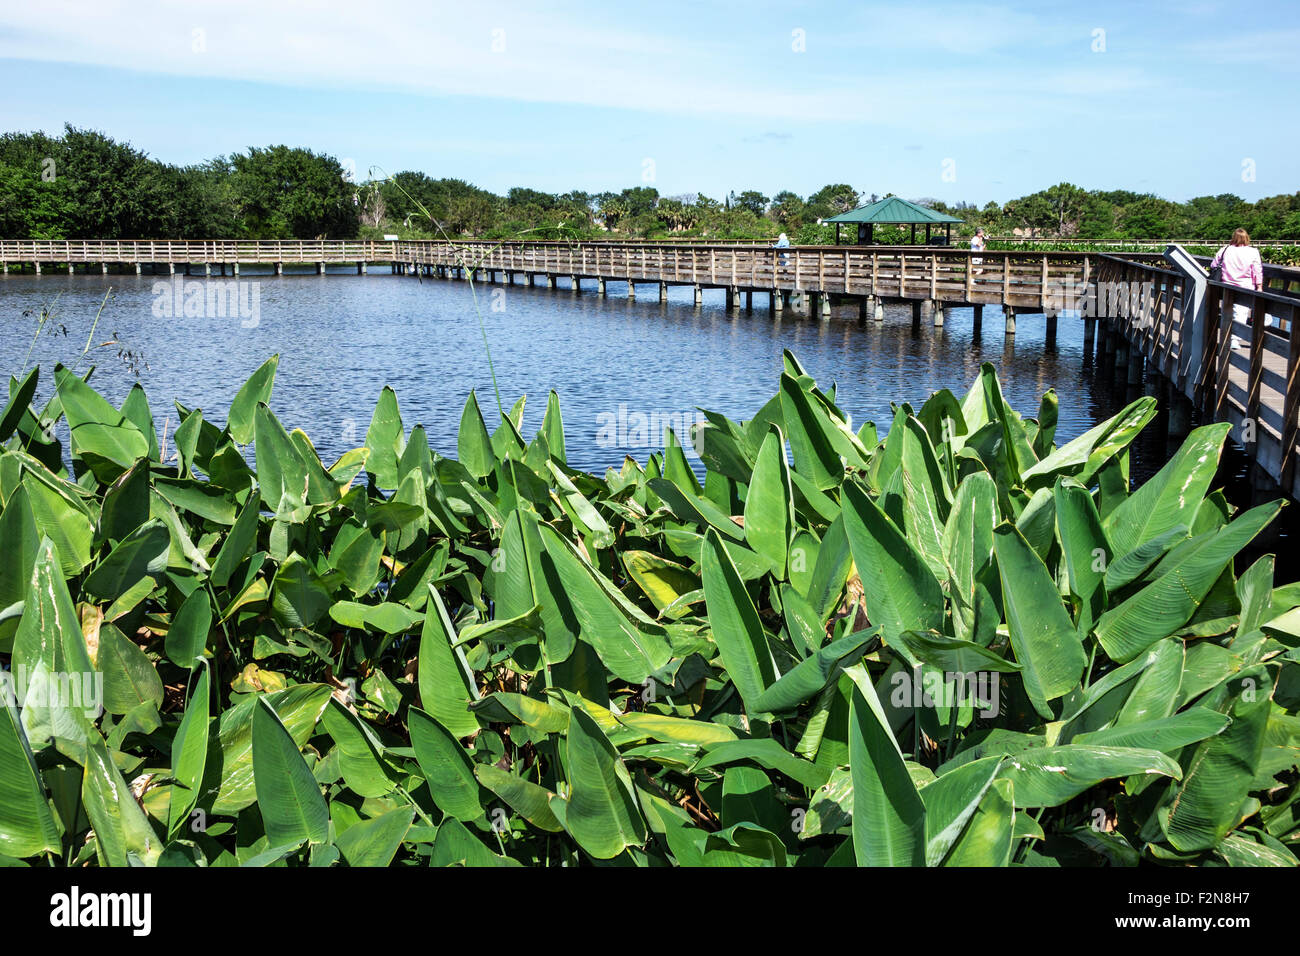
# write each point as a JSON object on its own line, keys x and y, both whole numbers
{"x": 958, "y": 645}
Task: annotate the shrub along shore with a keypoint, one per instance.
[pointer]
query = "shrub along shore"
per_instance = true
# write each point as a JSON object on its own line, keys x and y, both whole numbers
{"x": 958, "y": 645}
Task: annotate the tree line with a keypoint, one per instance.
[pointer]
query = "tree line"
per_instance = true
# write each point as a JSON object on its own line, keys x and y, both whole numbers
{"x": 86, "y": 185}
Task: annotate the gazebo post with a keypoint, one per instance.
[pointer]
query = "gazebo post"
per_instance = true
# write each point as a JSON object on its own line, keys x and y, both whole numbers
{"x": 913, "y": 233}
{"x": 927, "y": 233}
{"x": 947, "y": 233}
{"x": 871, "y": 233}
{"x": 837, "y": 234}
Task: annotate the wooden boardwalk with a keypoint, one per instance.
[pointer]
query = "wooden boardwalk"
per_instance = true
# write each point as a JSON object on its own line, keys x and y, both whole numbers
{"x": 1231, "y": 353}
{"x": 803, "y": 278}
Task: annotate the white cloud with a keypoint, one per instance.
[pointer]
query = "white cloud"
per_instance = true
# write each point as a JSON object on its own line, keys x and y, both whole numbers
{"x": 564, "y": 53}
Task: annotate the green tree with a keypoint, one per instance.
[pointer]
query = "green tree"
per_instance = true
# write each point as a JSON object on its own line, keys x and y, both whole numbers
{"x": 753, "y": 201}
{"x": 788, "y": 210}
{"x": 293, "y": 193}
{"x": 612, "y": 210}
{"x": 831, "y": 201}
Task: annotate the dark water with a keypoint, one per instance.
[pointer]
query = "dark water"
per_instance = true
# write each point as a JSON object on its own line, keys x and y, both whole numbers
{"x": 342, "y": 337}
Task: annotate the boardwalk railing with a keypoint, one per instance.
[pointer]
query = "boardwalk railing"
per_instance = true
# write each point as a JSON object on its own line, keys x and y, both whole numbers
{"x": 1239, "y": 361}
{"x": 1025, "y": 280}
{"x": 198, "y": 251}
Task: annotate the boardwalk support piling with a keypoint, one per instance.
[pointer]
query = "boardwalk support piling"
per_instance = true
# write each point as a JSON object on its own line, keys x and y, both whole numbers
{"x": 1135, "y": 367}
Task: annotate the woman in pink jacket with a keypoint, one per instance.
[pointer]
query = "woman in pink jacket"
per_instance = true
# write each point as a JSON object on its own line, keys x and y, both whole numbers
{"x": 1243, "y": 268}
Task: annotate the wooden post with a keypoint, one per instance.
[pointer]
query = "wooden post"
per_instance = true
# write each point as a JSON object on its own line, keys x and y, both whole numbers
{"x": 916, "y": 311}
{"x": 1255, "y": 374}
{"x": 699, "y": 290}
{"x": 977, "y": 323}
{"x": 1134, "y": 367}
{"x": 1010, "y": 314}
{"x": 1291, "y": 404}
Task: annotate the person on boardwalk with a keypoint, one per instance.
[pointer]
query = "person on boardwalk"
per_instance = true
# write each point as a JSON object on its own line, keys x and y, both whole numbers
{"x": 1242, "y": 267}
{"x": 783, "y": 242}
{"x": 977, "y": 244}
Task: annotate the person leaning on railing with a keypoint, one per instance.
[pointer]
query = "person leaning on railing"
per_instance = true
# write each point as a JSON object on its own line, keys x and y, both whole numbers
{"x": 782, "y": 242}
{"x": 1239, "y": 264}
{"x": 978, "y": 243}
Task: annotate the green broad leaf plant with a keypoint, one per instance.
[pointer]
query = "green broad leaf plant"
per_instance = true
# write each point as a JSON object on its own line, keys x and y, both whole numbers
{"x": 960, "y": 645}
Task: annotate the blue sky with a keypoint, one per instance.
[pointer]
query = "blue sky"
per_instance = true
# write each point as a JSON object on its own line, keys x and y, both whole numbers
{"x": 952, "y": 100}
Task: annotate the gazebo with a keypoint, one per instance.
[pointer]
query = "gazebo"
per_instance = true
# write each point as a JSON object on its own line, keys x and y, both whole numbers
{"x": 893, "y": 211}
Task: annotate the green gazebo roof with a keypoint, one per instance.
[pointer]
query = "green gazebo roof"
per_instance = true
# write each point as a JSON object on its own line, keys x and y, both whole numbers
{"x": 892, "y": 211}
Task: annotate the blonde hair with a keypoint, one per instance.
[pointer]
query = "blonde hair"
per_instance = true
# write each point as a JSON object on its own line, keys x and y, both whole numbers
{"x": 1241, "y": 238}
